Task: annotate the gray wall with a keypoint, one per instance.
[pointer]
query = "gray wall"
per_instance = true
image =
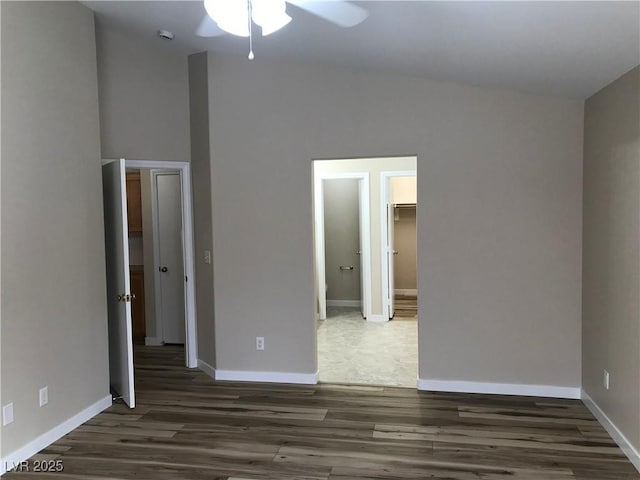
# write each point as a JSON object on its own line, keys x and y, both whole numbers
{"x": 342, "y": 238}
{"x": 611, "y": 261}
{"x": 145, "y": 115}
{"x": 54, "y": 314}
{"x": 405, "y": 242}
{"x": 201, "y": 180}
{"x": 144, "y": 104}
{"x": 499, "y": 227}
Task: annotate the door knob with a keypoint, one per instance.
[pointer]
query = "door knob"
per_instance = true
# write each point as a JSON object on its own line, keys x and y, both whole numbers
{"x": 164, "y": 269}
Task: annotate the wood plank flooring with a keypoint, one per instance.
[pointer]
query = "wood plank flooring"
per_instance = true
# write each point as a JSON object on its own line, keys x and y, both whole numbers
{"x": 188, "y": 427}
{"x": 406, "y": 307}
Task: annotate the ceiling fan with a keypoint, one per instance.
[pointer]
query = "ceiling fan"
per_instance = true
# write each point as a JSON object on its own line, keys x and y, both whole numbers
{"x": 237, "y": 17}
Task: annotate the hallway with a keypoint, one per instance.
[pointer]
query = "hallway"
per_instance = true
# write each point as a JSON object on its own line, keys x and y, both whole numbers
{"x": 352, "y": 350}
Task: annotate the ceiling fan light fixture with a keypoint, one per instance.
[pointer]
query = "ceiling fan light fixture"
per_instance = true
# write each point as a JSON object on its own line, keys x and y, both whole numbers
{"x": 270, "y": 15}
{"x": 232, "y": 16}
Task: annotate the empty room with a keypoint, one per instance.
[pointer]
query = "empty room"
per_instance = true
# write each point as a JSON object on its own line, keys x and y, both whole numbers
{"x": 400, "y": 240}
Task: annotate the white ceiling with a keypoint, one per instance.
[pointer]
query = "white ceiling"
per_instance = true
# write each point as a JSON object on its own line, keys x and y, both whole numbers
{"x": 567, "y": 49}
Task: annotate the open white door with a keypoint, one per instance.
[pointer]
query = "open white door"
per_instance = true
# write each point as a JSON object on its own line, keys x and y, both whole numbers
{"x": 118, "y": 289}
{"x": 361, "y": 249}
{"x": 390, "y": 258}
{"x": 321, "y": 280}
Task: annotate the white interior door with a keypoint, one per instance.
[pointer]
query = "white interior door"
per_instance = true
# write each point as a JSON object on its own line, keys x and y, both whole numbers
{"x": 118, "y": 289}
{"x": 171, "y": 265}
{"x": 390, "y": 259}
{"x": 361, "y": 249}
{"x": 321, "y": 279}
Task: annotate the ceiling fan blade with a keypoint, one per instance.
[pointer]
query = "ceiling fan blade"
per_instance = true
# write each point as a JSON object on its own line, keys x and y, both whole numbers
{"x": 339, "y": 12}
{"x": 208, "y": 28}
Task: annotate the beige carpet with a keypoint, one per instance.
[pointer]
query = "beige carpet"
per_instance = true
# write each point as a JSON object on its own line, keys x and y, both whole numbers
{"x": 352, "y": 350}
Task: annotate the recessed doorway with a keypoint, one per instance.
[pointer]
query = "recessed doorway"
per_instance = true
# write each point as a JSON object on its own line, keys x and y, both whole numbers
{"x": 171, "y": 219}
{"x": 364, "y": 333}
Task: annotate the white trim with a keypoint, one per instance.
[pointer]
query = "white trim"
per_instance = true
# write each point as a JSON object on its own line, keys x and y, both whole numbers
{"x": 153, "y": 341}
{"x": 551, "y": 391}
{"x": 343, "y": 303}
{"x": 206, "y": 368}
{"x": 270, "y": 377}
{"x": 406, "y": 291}
{"x": 378, "y": 318}
{"x": 625, "y": 445}
{"x": 385, "y": 200}
{"x": 191, "y": 354}
{"x": 60, "y": 430}
{"x": 191, "y": 344}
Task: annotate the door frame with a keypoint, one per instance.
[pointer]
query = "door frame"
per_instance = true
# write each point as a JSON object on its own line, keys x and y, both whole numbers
{"x": 188, "y": 258}
{"x": 364, "y": 208}
{"x": 385, "y": 200}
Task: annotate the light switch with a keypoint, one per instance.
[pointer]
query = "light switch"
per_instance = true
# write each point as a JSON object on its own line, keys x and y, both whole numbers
{"x": 207, "y": 256}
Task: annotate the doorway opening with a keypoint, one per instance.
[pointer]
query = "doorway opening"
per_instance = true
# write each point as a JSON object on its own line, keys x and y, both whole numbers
{"x": 360, "y": 284}
{"x": 399, "y": 234}
{"x": 150, "y": 269}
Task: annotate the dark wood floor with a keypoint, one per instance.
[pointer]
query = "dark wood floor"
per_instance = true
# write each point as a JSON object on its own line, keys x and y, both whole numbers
{"x": 188, "y": 427}
{"x": 406, "y": 307}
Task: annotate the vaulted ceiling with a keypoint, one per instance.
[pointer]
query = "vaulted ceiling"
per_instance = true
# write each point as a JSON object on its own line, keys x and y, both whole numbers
{"x": 569, "y": 49}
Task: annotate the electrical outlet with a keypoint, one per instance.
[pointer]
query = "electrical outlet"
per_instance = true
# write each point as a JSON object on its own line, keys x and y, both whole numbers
{"x": 259, "y": 343}
{"x": 207, "y": 256}
{"x": 44, "y": 396}
{"x": 7, "y": 414}
{"x": 605, "y": 380}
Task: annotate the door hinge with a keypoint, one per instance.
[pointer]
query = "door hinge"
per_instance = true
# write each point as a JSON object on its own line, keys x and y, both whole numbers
{"x": 186, "y": 279}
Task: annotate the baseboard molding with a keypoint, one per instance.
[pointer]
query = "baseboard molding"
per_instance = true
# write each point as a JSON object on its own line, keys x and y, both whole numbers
{"x": 406, "y": 291}
{"x": 551, "y": 391}
{"x": 625, "y": 445}
{"x": 153, "y": 341}
{"x": 268, "y": 377}
{"x": 206, "y": 368}
{"x": 377, "y": 318}
{"x": 343, "y": 303}
{"x": 47, "y": 438}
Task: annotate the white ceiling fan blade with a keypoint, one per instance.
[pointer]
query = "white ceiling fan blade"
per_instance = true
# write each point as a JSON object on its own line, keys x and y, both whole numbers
{"x": 339, "y": 12}
{"x": 208, "y": 28}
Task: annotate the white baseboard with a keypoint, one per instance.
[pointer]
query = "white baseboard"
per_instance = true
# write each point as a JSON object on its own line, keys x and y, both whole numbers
{"x": 406, "y": 291}
{"x": 206, "y": 368}
{"x": 47, "y": 438}
{"x": 377, "y": 318}
{"x": 551, "y": 391}
{"x": 343, "y": 303}
{"x": 625, "y": 445}
{"x": 269, "y": 377}
{"x": 153, "y": 341}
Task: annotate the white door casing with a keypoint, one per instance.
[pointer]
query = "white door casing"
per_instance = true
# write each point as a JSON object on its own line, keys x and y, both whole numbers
{"x": 171, "y": 278}
{"x": 191, "y": 352}
{"x": 121, "y": 372}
